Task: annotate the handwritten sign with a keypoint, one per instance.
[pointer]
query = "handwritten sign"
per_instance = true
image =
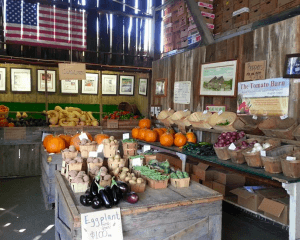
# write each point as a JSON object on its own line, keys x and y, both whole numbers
{"x": 72, "y": 71}
{"x": 182, "y": 92}
{"x": 15, "y": 133}
{"x": 104, "y": 224}
{"x": 213, "y": 109}
{"x": 125, "y": 136}
{"x": 255, "y": 70}
{"x": 146, "y": 148}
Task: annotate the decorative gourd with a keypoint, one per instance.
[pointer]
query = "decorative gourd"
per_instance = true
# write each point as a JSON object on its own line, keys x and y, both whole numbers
{"x": 142, "y": 133}
{"x": 46, "y": 139}
{"x": 135, "y": 132}
{"x": 167, "y": 139}
{"x": 55, "y": 145}
{"x": 145, "y": 123}
{"x": 150, "y": 136}
{"x": 66, "y": 138}
{"x": 180, "y": 140}
{"x": 100, "y": 137}
{"x": 76, "y": 141}
{"x": 190, "y": 136}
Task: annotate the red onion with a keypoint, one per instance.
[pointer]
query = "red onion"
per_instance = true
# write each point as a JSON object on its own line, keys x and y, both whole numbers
{"x": 223, "y": 134}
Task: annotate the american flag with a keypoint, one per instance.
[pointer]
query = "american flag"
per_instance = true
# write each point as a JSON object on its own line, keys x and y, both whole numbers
{"x": 47, "y": 26}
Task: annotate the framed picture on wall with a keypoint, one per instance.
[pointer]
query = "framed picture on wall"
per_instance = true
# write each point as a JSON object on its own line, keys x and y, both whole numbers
{"x": 161, "y": 86}
{"x": 90, "y": 84}
{"x": 109, "y": 84}
{"x": 143, "y": 84}
{"x": 2, "y": 79}
{"x": 292, "y": 66}
{"x": 126, "y": 85}
{"x": 69, "y": 86}
{"x": 218, "y": 79}
{"x": 20, "y": 80}
{"x": 51, "y": 81}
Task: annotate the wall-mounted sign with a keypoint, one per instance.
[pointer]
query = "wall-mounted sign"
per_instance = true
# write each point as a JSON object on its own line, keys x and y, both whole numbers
{"x": 212, "y": 108}
{"x": 182, "y": 92}
{"x": 71, "y": 71}
{"x": 255, "y": 70}
{"x": 264, "y": 97}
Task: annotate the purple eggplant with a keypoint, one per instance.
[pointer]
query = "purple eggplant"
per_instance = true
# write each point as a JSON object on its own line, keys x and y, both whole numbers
{"x": 102, "y": 194}
{"x": 86, "y": 200}
{"x": 123, "y": 187}
{"x": 132, "y": 197}
{"x": 94, "y": 187}
{"x": 115, "y": 192}
{"x": 96, "y": 203}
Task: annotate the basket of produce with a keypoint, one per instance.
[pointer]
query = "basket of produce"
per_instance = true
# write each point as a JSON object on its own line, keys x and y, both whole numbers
{"x": 79, "y": 181}
{"x": 180, "y": 179}
{"x": 165, "y": 114}
{"x": 148, "y": 156}
{"x": 110, "y": 147}
{"x": 200, "y": 149}
{"x": 132, "y": 108}
{"x": 223, "y": 122}
{"x": 248, "y": 125}
{"x": 4, "y": 111}
{"x": 200, "y": 120}
{"x": 179, "y": 118}
{"x": 115, "y": 162}
{"x": 291, "y": 165}
{"x": 163, "y": 167}
{"x": 267, "y": 125}
{"x": 137, "y": 160}
{"x": 104, "y": 177}
{"x": 129, "y": 147}
{"x": 86, "y": 146}
{"x": 253, "y": 156}
{"x": 272, "y": 160}
{"x": 94, "y": 165}
{"x": 285, "y": 128}
{"x": 236, "y": 154}
{"x": 69, "y": 153}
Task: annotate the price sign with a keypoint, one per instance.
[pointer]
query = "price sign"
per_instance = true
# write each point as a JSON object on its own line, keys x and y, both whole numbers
{"x": 284, "y": 117}
{"x": 136, "y": 162}
{"x": 104, "y": 224}
{"x": 147, "y": 148}
{"x": 100, "y": 148}
{"x": 205, "y": 112}
{"x": 254, "y": 117}
{"x": 232, "y": 146}
{"x": 263, "y": 153}
{"x": 290, "y": 158}
{"x": 220, "y": 112}
{"x": 83, "y": 136}
{"x": 125, "y": 136}
{"x": 93, "y": 154}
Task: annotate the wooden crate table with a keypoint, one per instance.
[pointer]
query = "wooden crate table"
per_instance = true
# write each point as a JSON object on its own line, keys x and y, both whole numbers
{"x": 172, "y": 213}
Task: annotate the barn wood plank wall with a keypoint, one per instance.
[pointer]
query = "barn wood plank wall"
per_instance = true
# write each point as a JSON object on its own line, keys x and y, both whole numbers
{"x": 38, "y": 97}
{"x": 270, "y": 43}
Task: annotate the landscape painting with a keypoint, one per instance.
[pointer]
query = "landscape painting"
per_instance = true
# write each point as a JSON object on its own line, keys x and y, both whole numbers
{"x": 218, "y": 79}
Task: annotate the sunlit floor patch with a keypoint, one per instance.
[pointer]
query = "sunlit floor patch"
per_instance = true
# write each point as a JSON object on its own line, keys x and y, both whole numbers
{"x": 22, "y": 230}
{"x": 37, "y": 237}
{"x": 2, "y": 209}
{"x": 47, "y": 228}
{"x": 7, "y": 224}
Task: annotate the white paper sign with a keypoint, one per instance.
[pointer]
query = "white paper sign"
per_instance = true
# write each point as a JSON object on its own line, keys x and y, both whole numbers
{"x": 182, "y": 92}
{"x": 254, "y": 117}
{"x": 83, "y": 136}
{"x": 100, "y": 148}
{"x": 290, "y": 158}
{"x": 93, "y": 154}
{"x": 284, "y": 117}
{"x": 104, "y": 224}
{"x": 45, "y": 135}
{"x": 146, "y": 148}
{"x": 205, "y": 112}
{"x": 263, "y": 153}
{"x": 136, "y": 162}
{"x": 125, "y": 136}
{"x": 232, "y": 146}
{"x": 220, "y": 112}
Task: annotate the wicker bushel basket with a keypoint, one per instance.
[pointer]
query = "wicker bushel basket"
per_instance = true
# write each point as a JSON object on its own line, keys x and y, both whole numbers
{"x": 222, "y": 118}
{"x": 165, "y": 114}
{"x": 125, "y": 106}
{"x": 200, "y": 120}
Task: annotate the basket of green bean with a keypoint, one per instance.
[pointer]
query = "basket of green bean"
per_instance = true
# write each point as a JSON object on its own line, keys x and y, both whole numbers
{"x": 180, "y": 179}
{"x": 155, "y": 179}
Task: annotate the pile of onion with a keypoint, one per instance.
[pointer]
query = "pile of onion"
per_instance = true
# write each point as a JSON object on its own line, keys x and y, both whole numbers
{"x": 244, "y": 145}
{"x": 225, "y": 139}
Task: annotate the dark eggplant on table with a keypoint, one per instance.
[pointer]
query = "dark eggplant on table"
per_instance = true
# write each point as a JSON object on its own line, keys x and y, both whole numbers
{"x": 102, "y": 194}
{"x": 124, "y": 188}
{"x": 96, "y": 203}
{"x": 115, "y": 192}
{"x": 94, "y": 187}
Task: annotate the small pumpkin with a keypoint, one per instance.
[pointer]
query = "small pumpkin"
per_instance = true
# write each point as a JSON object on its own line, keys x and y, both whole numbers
{"x": 145, "y": 123}
{"x": 100, "y": 137}
{"x": 164, "y": 129}
{"x": 159, "y": 132}
{"x": 135, "y": 132}
{"x": 11, "y": 124}
{"x": 46, "y": 139}
{"x": 191, "y": 137}
{"x": 142, "y": 133}
{"x": 55, "y": 145}
{"x": 66, "y": 138}
{"x": 180, "y": 140}
{"x": 166, "y": 139}
{"x": 76, "y": 141}
{"x": 150, "y": 136}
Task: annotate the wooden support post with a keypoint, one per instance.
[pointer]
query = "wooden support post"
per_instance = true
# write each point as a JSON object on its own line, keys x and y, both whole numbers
{"x": 46, "y": 93}
{"x": 100, "y": 92}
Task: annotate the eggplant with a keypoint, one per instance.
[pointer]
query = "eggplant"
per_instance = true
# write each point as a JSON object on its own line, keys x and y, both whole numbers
{"x": 124, "y": 188}
{"x": 132, "y": 197}
{"x": 86, "y": 200}
{"x": 94, "y": 187}
{"x": 109, "y": 193}
{"x": 115, "y": 191}
{"x": 104, "y": 197}
{"x": 96, "y": 203}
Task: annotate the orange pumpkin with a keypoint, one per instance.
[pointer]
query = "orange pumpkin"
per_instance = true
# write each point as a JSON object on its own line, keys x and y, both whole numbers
{"x": 46, "y": 139}
{"x": 145, "y": 123}
{"x": 55, "y": 145}
{"x": 76, "y": 141}
{"x": 150, "y": 136}
{"x": 142, "y": 133}
{"x": 100, "y": 137}
{"x": 159, "y": 132}
{"x": 135, "y": 132}
{"x": 11, "y": 124}
{"x": 172, "y": 131}
{"x": 180, "y": 140}
{"x": 166, "y": 139}
{"x": 66, "y": 138}
{"x": 191, "y": 137}
{"x": 164, "y": 129}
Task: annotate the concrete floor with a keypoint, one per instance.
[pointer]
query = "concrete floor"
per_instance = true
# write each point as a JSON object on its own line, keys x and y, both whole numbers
{"x": 23, "y": 216}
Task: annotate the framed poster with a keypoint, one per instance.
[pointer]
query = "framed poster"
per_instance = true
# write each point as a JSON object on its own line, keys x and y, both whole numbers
{"x": 20, "y": 80}
{"x": 69, "y": 86}
{"x": 2, "y": 79}
{"x": 182, "y": 92}
{"x": 161, "y": 86}
{"x": 126, "y": 85}
{"x": 292, "y": 66}
{"x": 109, "y": 84}
{"x": 218, "y": 79}
{"x": 90, "y": 84}
{"x": 51, "y": 81}
{"x": 143, "y": 84}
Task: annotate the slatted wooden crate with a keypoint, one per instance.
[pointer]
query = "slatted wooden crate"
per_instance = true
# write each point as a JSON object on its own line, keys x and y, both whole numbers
{"x": 172, "y": 213}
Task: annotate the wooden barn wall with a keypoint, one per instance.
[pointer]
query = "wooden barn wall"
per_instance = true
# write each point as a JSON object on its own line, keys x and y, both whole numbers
{"x": 270, "y": 43}
{"x": 58, "y": 97}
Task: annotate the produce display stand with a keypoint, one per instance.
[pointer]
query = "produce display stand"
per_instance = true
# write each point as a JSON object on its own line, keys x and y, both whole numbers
{"x": 292, "y": 185}
{"x": 172, "y": 213}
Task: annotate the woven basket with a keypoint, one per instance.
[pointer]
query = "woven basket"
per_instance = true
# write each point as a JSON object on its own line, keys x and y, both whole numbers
{"x": 183, "y": 122}
{"x": 267, "y": 125}
{"x": 165, "y": 114}
{"x": 241, "y": 124}
{"x": 200, "y": 120}
{"x": 217, "y": 119}
{"x": 180, "y": 114}
{"x": 168, "y": 122}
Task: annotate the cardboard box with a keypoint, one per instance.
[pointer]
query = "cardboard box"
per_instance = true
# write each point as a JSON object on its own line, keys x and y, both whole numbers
{"x": 218, "y": 29}
{"x": 254, "y": 14}
{"x": 168, "y": 38}
{"x": 168, "y": 9}
{"x": 177, "y": 39}
{"x": 223, "y": 189}
{"x": 284, "y": 2}
{"x": 268, "y": 7}
{"x": 195, "y": 178}
{"x": 253, "y": 3}
{"x": 227, "y": 25}
{"x": 229, "y": 178}
{"x": 218, "y": 6}
{"x": 247, "y": 199}
{"x": 288, "y": 5}
{"x": 183, "y": 20}
{"x": 218, "y": 18}
{"x": 173, "y": 160}
{"x": 277, "y": 209}
{"x": 181, "y": 9}
{"x": 208, "y": 15}
{"x": 167, "y": 20}
{"x": 184, "y": 42}
{"x": 208, "y": 184}
{"x": 184, "y": 31}
{"x": 168, "y": 29}
{"x": 240, "y": 20}
{"x": 204, "y": 172}
{"x": 227, "y": 13}
{"x": 168, "y": 47}
{"x": 238, "y": 4}
{"x": 176, "y": 26}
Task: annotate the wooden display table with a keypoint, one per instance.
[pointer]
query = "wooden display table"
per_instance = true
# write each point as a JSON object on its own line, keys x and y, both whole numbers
{"x": 172, "y": 213}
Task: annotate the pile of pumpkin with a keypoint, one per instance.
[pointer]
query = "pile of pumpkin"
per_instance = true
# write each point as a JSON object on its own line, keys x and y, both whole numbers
{"x": 3, "y": 114}
{"x": 55, "y": 144}
{"x": 166, "y": 137}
